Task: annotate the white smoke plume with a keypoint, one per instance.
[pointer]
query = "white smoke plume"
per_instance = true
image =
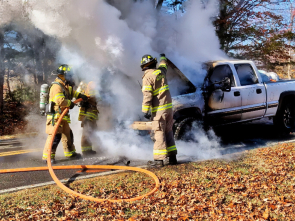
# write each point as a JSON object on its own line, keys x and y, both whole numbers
{"x": 104, "y": 43}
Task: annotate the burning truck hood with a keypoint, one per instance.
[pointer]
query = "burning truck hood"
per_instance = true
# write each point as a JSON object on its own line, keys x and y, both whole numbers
{"x": 184, "y": 93}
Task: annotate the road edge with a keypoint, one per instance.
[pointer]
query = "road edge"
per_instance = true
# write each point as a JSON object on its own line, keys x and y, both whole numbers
{"x": 15, "y": 189}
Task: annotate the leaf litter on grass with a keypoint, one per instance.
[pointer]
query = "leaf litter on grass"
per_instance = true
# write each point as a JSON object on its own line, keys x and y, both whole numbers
{"x": 258, "y": 186}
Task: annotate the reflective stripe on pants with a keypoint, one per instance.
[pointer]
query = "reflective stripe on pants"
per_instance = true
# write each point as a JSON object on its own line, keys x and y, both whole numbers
{"x": 86, "y": 148}
{"x": 164, "y": 145}
{"x": 67, "y": 139}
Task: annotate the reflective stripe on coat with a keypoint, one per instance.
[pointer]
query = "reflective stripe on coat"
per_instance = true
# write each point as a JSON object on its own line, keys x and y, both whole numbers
{"x": 155, "y": 89}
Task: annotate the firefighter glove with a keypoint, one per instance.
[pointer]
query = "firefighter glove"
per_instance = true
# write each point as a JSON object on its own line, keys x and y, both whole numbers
{"x": 147, "y": 116}
{"x": 72, "y": 105}
{"x": 84, "y": 104}
{"x": 162, "y": 55}
{"x": 83, "y": 96}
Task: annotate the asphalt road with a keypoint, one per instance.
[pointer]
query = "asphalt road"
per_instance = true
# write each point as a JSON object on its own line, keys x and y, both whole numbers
{"x": 235, "y": 138}
{"x": 255, "y": 134}
{"x": 33, "y": 159}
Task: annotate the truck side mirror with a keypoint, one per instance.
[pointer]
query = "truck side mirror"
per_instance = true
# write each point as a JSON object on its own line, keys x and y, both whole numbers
{"x": 226, "y": 84}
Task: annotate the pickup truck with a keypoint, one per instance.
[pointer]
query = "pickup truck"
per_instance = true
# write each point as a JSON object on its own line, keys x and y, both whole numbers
{"x": 230, "y": 91}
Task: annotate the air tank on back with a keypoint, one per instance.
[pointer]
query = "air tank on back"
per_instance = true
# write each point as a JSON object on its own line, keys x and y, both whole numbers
{"x": 43, "y": 98}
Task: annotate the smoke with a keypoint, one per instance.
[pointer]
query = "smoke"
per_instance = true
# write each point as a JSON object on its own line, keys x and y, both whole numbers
{"x": 199, "y": 145}
{"x": 104, "y": 43}
{"x": 268, "y": 76}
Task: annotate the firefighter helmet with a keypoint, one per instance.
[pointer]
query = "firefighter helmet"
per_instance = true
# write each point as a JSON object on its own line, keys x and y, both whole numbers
{"x": 63, "y": 69}
{"x": 147, "y": 60}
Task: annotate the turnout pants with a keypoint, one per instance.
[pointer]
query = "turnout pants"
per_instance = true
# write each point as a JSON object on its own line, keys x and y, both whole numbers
{"x": 164, "y": 145}
{"x": 64, "y": 134}
{"x": 88, "y": 129}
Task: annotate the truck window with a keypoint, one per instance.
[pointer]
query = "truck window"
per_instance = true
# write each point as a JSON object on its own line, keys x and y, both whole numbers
{"x": 220, "y": 72}
{"x": 246, "y": 74}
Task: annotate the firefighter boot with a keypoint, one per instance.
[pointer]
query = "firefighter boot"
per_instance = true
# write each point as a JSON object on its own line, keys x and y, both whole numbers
{"x": 155, "y": 163}
{"x": 52, "y": 161}
{"x": 88, "y": 153}
{"x": 172, "y": 160}
{"x": 75, "y": 156}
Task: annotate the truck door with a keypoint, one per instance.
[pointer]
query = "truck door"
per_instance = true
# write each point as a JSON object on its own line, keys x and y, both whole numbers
{"x": 252, "y": 92}
{"x": 223, "y": 107}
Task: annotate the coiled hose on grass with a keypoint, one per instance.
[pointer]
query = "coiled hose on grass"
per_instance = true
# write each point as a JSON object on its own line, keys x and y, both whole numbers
{"x": 104, "y": 167}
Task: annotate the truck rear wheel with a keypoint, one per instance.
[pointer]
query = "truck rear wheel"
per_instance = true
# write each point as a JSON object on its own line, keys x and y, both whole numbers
{"x": 184, "y": 127}
{"x": 285, "y": 118}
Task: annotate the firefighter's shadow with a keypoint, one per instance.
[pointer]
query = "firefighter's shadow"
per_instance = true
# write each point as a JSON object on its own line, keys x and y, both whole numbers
{"x": 107, "y": 161}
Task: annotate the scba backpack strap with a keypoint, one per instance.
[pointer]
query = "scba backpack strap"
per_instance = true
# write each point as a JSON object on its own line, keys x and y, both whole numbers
{"x": 52, "y": 103}
{"x": 63, "y": 89}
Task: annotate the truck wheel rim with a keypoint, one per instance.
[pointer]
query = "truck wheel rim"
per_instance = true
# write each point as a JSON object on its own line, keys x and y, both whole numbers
{"x": 288, "y": 119}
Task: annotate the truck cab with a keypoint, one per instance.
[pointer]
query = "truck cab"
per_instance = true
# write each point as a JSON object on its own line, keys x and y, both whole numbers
{"x": 246, "y": 98}
{"x": 233, "y": 91}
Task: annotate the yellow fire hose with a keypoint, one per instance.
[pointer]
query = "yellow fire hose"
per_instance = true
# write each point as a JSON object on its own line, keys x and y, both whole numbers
{"x": 103, "y": 167}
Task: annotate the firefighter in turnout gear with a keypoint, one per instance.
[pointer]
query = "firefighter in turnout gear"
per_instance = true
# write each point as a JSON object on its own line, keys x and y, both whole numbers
{"x": 88, "y": 114}
{"x": 157, "y": 106}
{"x": 60, "y": 96}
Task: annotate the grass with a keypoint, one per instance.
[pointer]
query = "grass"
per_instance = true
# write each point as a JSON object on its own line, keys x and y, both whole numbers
{"x": 258, "y": 186}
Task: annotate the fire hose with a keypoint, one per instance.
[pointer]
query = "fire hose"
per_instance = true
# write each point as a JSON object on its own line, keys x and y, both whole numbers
{"x": 104, "y": 167}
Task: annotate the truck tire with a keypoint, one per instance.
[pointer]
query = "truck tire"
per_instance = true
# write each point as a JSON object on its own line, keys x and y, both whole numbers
{"x": 183, "y": 127}
{"x": 284, "y": 120}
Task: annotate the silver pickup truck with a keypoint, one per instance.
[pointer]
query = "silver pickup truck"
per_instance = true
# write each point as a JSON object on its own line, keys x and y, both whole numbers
{"x": 233, "y": 91}
{"x": 228, "y": 91}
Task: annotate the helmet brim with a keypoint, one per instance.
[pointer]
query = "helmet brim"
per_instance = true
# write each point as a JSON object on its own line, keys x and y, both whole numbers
{"x": 154, "y": 61}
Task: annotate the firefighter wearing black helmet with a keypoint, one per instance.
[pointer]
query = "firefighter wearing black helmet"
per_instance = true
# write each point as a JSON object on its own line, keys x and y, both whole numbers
{"x": 157, "y": 106}
{"x": 60, "y": 96}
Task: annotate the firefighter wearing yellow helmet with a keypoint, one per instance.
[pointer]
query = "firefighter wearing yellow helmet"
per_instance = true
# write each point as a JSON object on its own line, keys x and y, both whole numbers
{"x": 61, "y": 94}
{"x": 157, "y": 106}
{"x": 88, "y": 114}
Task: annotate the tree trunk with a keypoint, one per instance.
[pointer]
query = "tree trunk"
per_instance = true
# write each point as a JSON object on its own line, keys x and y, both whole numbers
{"x": 1, "y": 72}
{"x": 159, "y": 5}
{"x": 1, "y": 89}
{"x": 40, "y": 79}
{"x": 222, "y": 27}
{"x": 35, "y": 77}
{"x": 8, "y": 85}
